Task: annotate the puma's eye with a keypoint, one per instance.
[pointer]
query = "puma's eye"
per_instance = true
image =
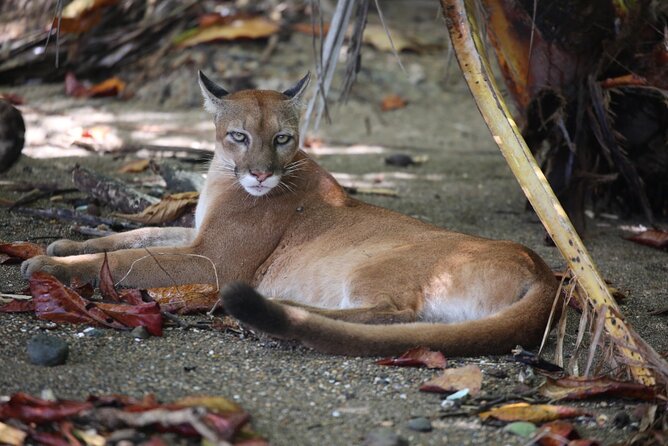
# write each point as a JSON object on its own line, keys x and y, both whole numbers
{"x": 282, "y": 139}
{"x": 238, "y": 137}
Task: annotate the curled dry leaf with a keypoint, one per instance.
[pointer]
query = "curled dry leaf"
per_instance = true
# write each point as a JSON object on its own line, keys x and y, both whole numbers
{"x": 253, "y": 28}
{"x": 417, "y": 357}
{"x": 168, "y": 209}
{"x": 58, "y": 303}
{"x": 453, "y": 380}
{"x": 109, "y": 87}
{"x": 534, "y": 413}
{"x": 29, "y": 409}
{"x": 392, "y": 102}
{"x": 185, "y": 299}
{"x": 655, "y": 238}
{"x": 578, "y": 388}
{"x": 17, "y": 252}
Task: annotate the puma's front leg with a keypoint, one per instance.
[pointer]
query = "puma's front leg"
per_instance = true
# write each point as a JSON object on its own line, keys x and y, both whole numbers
{"x": 135, "y": 268}
{"x": 139, "y": 238}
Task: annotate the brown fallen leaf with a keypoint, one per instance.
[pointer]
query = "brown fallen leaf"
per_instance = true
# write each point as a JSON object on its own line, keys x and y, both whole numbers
{"x": 136, "y": 166}
{"x": 17, "y": 252}
{"x": 376, "y": 36}
{"x": 578, "y": 388}
{"x": 392, "y": 102}
{"x": 109, "y": 87}
{"x": 185, "y": 299}
{"x": 81, "y": 15}
{"x": 534, "y": 413}
{"x": 453, "y": 380}
{"x": 168, "y": 209}
{"x": 655, "y": 238}
{"x": 417, "y": 357}
{"x": 253, "y": 28}
{"x": 11, "y": 436}
{"x": 307, "y": 28}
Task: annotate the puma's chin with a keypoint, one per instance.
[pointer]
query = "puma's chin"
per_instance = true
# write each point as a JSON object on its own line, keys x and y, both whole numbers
{"x": 257, "y": 189}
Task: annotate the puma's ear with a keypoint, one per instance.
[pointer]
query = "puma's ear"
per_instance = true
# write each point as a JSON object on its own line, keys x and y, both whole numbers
{"x": 296, "y": 92}
{"x": 212, "y": 92}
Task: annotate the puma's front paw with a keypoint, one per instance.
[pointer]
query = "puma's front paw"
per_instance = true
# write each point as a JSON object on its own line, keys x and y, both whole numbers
{"x": 48, "y": 265}
{"x": 64, "y": 248}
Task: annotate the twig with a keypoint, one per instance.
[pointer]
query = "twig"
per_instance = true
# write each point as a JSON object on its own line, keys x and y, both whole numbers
{"x": 73, "y": 216}
{"x": 91, "y": 232}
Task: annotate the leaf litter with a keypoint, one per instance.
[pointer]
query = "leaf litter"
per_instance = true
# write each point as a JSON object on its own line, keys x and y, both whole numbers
{"x": 417, "y": 357}
{"x": 211, "y": 418}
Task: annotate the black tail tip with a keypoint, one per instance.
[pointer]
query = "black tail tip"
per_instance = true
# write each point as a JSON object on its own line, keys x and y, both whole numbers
{"x": 244, "y": 303}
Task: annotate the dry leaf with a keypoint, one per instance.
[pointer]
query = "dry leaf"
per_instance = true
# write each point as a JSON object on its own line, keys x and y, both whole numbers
{"x": 556, "y": 433}
{"x": 184, "y": 299}
{"x": 652, "y": 237}
{"x": 18, "y": 251}
{"x": 453, "y": 380}
{"x": 168, "y": 209}
{"x": 255, "y": 28}
{"x": 307, "y": 28}
{"x": 81, "y": 15}
{"x": 109, "y": 87}
{"x": 578, "y": 387}
{"x": 534, "y": 413}
{"x": 417, "y": 357}
{"x": 11, "y": 436}
{"x": 392, "y": 102}
{"x": 376, "y": 36}
{"x": 134, "y": 166}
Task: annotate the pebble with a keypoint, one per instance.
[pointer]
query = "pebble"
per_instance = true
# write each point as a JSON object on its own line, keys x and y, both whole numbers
{"x": 399, "y": 159}
{"x": 384, "y": 437}
{"x": 140, "y": 333}
{"x": 47, "y": 350}
{"x": 621, "y": 419}
{"x": 93, "y": 332}
{"x": 420, "y": 424}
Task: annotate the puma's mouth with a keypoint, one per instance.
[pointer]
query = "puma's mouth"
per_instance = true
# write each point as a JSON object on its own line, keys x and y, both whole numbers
{"x": 259, "y": 188}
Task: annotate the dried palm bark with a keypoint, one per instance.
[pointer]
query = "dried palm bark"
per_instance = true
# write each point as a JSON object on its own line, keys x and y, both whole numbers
{"x": 644, "y": 364}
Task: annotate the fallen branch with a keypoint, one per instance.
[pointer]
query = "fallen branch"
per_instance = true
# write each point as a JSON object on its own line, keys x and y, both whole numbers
{"x": 116, "y": 194}
{"x": 76, "y": 217}
{"x": 462, "y": 25}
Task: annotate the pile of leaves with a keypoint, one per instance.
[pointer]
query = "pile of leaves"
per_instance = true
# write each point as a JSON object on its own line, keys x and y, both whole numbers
{"x": 117, "y": 309}
{"x": 101, "y": 420}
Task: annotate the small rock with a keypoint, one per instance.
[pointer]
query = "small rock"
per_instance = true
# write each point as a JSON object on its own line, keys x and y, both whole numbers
{"x": 93, "y": 332}
{"x": 384, "y": 437}
{"x": 140, "y": 332}
{"x": 47, "y": 350}
{"x": 419, "y": 424}
{"x": 621, "y": 419}
{"x": 399, "y": 159}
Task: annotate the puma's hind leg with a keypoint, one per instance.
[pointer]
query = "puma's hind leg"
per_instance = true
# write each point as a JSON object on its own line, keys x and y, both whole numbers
{"x": 139, "y": 238}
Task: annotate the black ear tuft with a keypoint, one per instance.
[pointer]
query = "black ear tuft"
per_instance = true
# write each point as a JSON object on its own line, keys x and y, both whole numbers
{"x": 297, "y": 90}
{"x": 244, "y": 303}
{"x": 212, "y": 87}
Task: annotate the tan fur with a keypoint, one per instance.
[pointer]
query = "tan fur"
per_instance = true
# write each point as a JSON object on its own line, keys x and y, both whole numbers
{"x": 334, "y": 261}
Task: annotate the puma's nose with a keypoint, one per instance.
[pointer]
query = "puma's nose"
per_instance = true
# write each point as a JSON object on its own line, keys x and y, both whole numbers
{"x": 261, "y": 175}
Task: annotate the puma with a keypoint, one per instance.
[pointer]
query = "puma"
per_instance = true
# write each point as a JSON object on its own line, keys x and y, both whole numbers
{"x": 343, "y": 276}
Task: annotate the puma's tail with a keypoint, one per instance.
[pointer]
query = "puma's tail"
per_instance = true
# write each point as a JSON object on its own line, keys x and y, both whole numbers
{"x": 521, "y": 323}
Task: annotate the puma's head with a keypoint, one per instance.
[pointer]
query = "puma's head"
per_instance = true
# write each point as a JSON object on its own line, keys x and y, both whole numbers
{"x": 257, "y": 132}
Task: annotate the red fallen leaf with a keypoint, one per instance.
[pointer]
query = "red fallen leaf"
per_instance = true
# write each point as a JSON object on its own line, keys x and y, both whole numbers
{"x": 453, "y": 380}
{"x": 73, "y": 87}
{"x": 653, "y": 237}
{"x": 417, "y": 357}
{"x": 392, "y": 102}
{"x": 20, "y": 251}
{"x": 58, "y": 303}
{"x": 107, "y": 288}
{"x": 556, "y": 433}
{"x": 578, "y": 388}
{"x": 155, "y": 440}
{"x": 534, "y": 413}
{"x": 18, "y": 306}
{"x": 29, "y": 409}
{"x": 48, "y": 439}
{"x": 145, "y": 314}
{"x": 584, "y": 442}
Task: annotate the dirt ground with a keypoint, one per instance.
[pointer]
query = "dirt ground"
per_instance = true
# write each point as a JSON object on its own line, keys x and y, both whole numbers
{"x": 297, "y": 396}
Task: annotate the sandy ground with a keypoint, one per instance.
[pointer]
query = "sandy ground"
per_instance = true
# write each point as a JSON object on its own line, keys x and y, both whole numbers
{"x": 297, "y": 396}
